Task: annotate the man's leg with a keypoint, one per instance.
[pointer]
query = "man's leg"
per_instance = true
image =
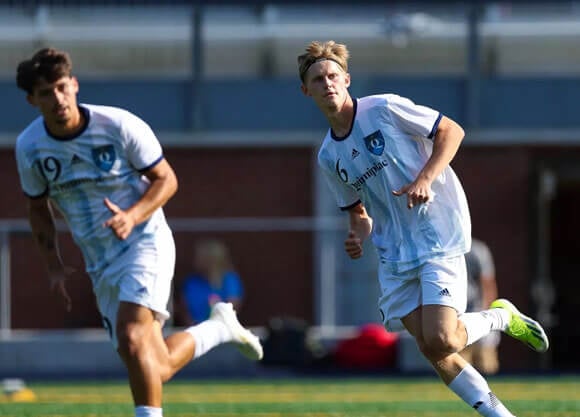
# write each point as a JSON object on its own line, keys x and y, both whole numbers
{"x": 136, "y": 346}
{"x": 152, "y": 360}
{"x": 487, "y": 359}
{"x": 469, "y": 354}
{"x": 440, "y": 336}
{"x": 483, "y": 354}
{"x": 178, "y": 349}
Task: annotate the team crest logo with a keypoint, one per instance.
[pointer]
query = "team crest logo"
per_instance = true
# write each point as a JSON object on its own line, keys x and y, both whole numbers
{"x": 104, "y": 157}
{"x": 375, "y": 143}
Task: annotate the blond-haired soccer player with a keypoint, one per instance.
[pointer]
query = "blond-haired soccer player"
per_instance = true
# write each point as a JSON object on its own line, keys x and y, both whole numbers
{"x": 103, "y": 169}
{"x": 386, "y": 160}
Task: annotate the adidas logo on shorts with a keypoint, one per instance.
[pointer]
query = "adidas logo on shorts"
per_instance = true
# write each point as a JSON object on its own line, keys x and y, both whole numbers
{"x": 444, "y": 293}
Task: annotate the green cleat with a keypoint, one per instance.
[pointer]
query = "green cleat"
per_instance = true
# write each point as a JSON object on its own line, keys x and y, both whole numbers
{"x": 523, "y": 328}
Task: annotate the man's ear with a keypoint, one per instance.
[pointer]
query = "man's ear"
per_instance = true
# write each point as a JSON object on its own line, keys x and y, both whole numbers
{"x": 31, "y": 100}
{"x": 304, "y": 90}
{"x": 75, "y": 83}
{"x": 347, "y": 80}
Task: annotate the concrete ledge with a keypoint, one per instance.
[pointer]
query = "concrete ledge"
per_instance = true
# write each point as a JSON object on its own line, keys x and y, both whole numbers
{"x": 89, "y": 354}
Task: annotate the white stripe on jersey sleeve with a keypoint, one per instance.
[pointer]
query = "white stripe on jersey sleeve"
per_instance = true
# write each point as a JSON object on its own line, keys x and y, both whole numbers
{"x": 143, "y": 147}
{"x": 413, "y": 118}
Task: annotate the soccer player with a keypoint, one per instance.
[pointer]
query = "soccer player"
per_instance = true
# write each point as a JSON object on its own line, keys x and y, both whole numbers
{"x": 481, "y": 291}
{"x": 104, "y": 170}
{"x": 387, "y": 161}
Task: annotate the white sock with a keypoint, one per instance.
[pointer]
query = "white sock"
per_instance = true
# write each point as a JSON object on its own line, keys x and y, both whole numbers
{"x": 145, "y": 411}
{"x": 207, "y": 335}
{"x": 472, "y": 388}
{"x": 480, "y": 324}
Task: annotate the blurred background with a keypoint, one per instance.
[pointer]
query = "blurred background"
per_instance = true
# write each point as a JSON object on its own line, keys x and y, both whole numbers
{"x": 218, "y": 83}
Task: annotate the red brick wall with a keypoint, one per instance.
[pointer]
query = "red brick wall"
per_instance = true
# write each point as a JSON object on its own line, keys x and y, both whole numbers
{"x": 497, "y": 184}
{"x": 276, "y": 267}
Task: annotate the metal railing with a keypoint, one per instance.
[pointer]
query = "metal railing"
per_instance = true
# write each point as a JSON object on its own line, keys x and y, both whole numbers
{"x": 324, "y": 271}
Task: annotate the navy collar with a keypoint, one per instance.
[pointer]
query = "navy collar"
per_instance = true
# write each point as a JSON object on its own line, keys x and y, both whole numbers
{"x": 338, "y": 138}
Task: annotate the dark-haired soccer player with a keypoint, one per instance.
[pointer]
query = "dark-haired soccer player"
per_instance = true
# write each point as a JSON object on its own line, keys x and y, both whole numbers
{"x": 103, "y": 169}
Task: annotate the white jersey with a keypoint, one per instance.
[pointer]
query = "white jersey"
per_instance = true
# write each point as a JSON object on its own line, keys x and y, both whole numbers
{"x": 106, "y": 159}
{"x": 389, "y": 144}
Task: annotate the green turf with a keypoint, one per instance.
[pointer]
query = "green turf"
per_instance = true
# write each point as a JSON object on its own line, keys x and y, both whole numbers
{"x": 545, "y": 397}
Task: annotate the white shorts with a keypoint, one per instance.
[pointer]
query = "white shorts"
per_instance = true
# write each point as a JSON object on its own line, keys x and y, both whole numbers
{"x": 437, "y": 281}
{"x": 141, "y": 275}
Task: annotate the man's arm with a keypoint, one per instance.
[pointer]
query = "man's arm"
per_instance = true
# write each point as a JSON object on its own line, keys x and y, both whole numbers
{"x": 163, "y": 186}
{"x": 361, "y": 225}
{"x": 41, "y": 219}
{"x": 445, "y": 145}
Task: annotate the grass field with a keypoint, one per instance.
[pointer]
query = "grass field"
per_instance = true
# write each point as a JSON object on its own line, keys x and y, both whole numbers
{"x": 545, "y": 397}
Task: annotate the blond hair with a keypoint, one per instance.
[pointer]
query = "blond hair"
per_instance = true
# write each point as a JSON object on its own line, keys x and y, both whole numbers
{"x": 317, "y": 51}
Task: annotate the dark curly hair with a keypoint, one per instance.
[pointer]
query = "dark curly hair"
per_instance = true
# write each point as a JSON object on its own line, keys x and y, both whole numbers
{"x": 48, "y": 63}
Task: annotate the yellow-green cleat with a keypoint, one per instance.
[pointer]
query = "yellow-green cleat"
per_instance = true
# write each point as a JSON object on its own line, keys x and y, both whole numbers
{"x": 522, "y": 327}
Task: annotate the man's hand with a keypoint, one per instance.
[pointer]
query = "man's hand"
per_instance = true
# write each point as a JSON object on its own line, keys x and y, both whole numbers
{"x": 418, "y": 192}
{"x": 353, "y": 245}
{"x": 121, "y": 223}
{"x": 57, "y": 279}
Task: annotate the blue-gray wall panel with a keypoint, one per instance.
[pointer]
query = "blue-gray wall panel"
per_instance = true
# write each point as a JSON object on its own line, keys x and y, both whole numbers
{"x": 15, "y": 110}
{"x": 530, "y": 103}
{"x": 164, "y": 104}
{"x": 278, "y": 104}
{"x": 442, "y": 93}
{"x": 259, "y": 104}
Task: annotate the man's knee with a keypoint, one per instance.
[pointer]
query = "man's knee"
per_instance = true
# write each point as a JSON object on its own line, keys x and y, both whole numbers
{"x": 441, "y": 342}
{"x": 130, "y": 339}
{"x": 133, "y": 328}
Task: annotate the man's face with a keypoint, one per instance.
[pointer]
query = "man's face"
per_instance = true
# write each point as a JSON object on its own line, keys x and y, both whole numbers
{"x": 56, "y": 101}
{"x": 327, "y": 83}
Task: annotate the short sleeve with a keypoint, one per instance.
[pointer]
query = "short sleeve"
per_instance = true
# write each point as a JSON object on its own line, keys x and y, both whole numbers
{"x": 346, "y": 197}
{"x": 33, "y": 184}
{"x": 413, "y": 118}
{"x": 143, "y": 148}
